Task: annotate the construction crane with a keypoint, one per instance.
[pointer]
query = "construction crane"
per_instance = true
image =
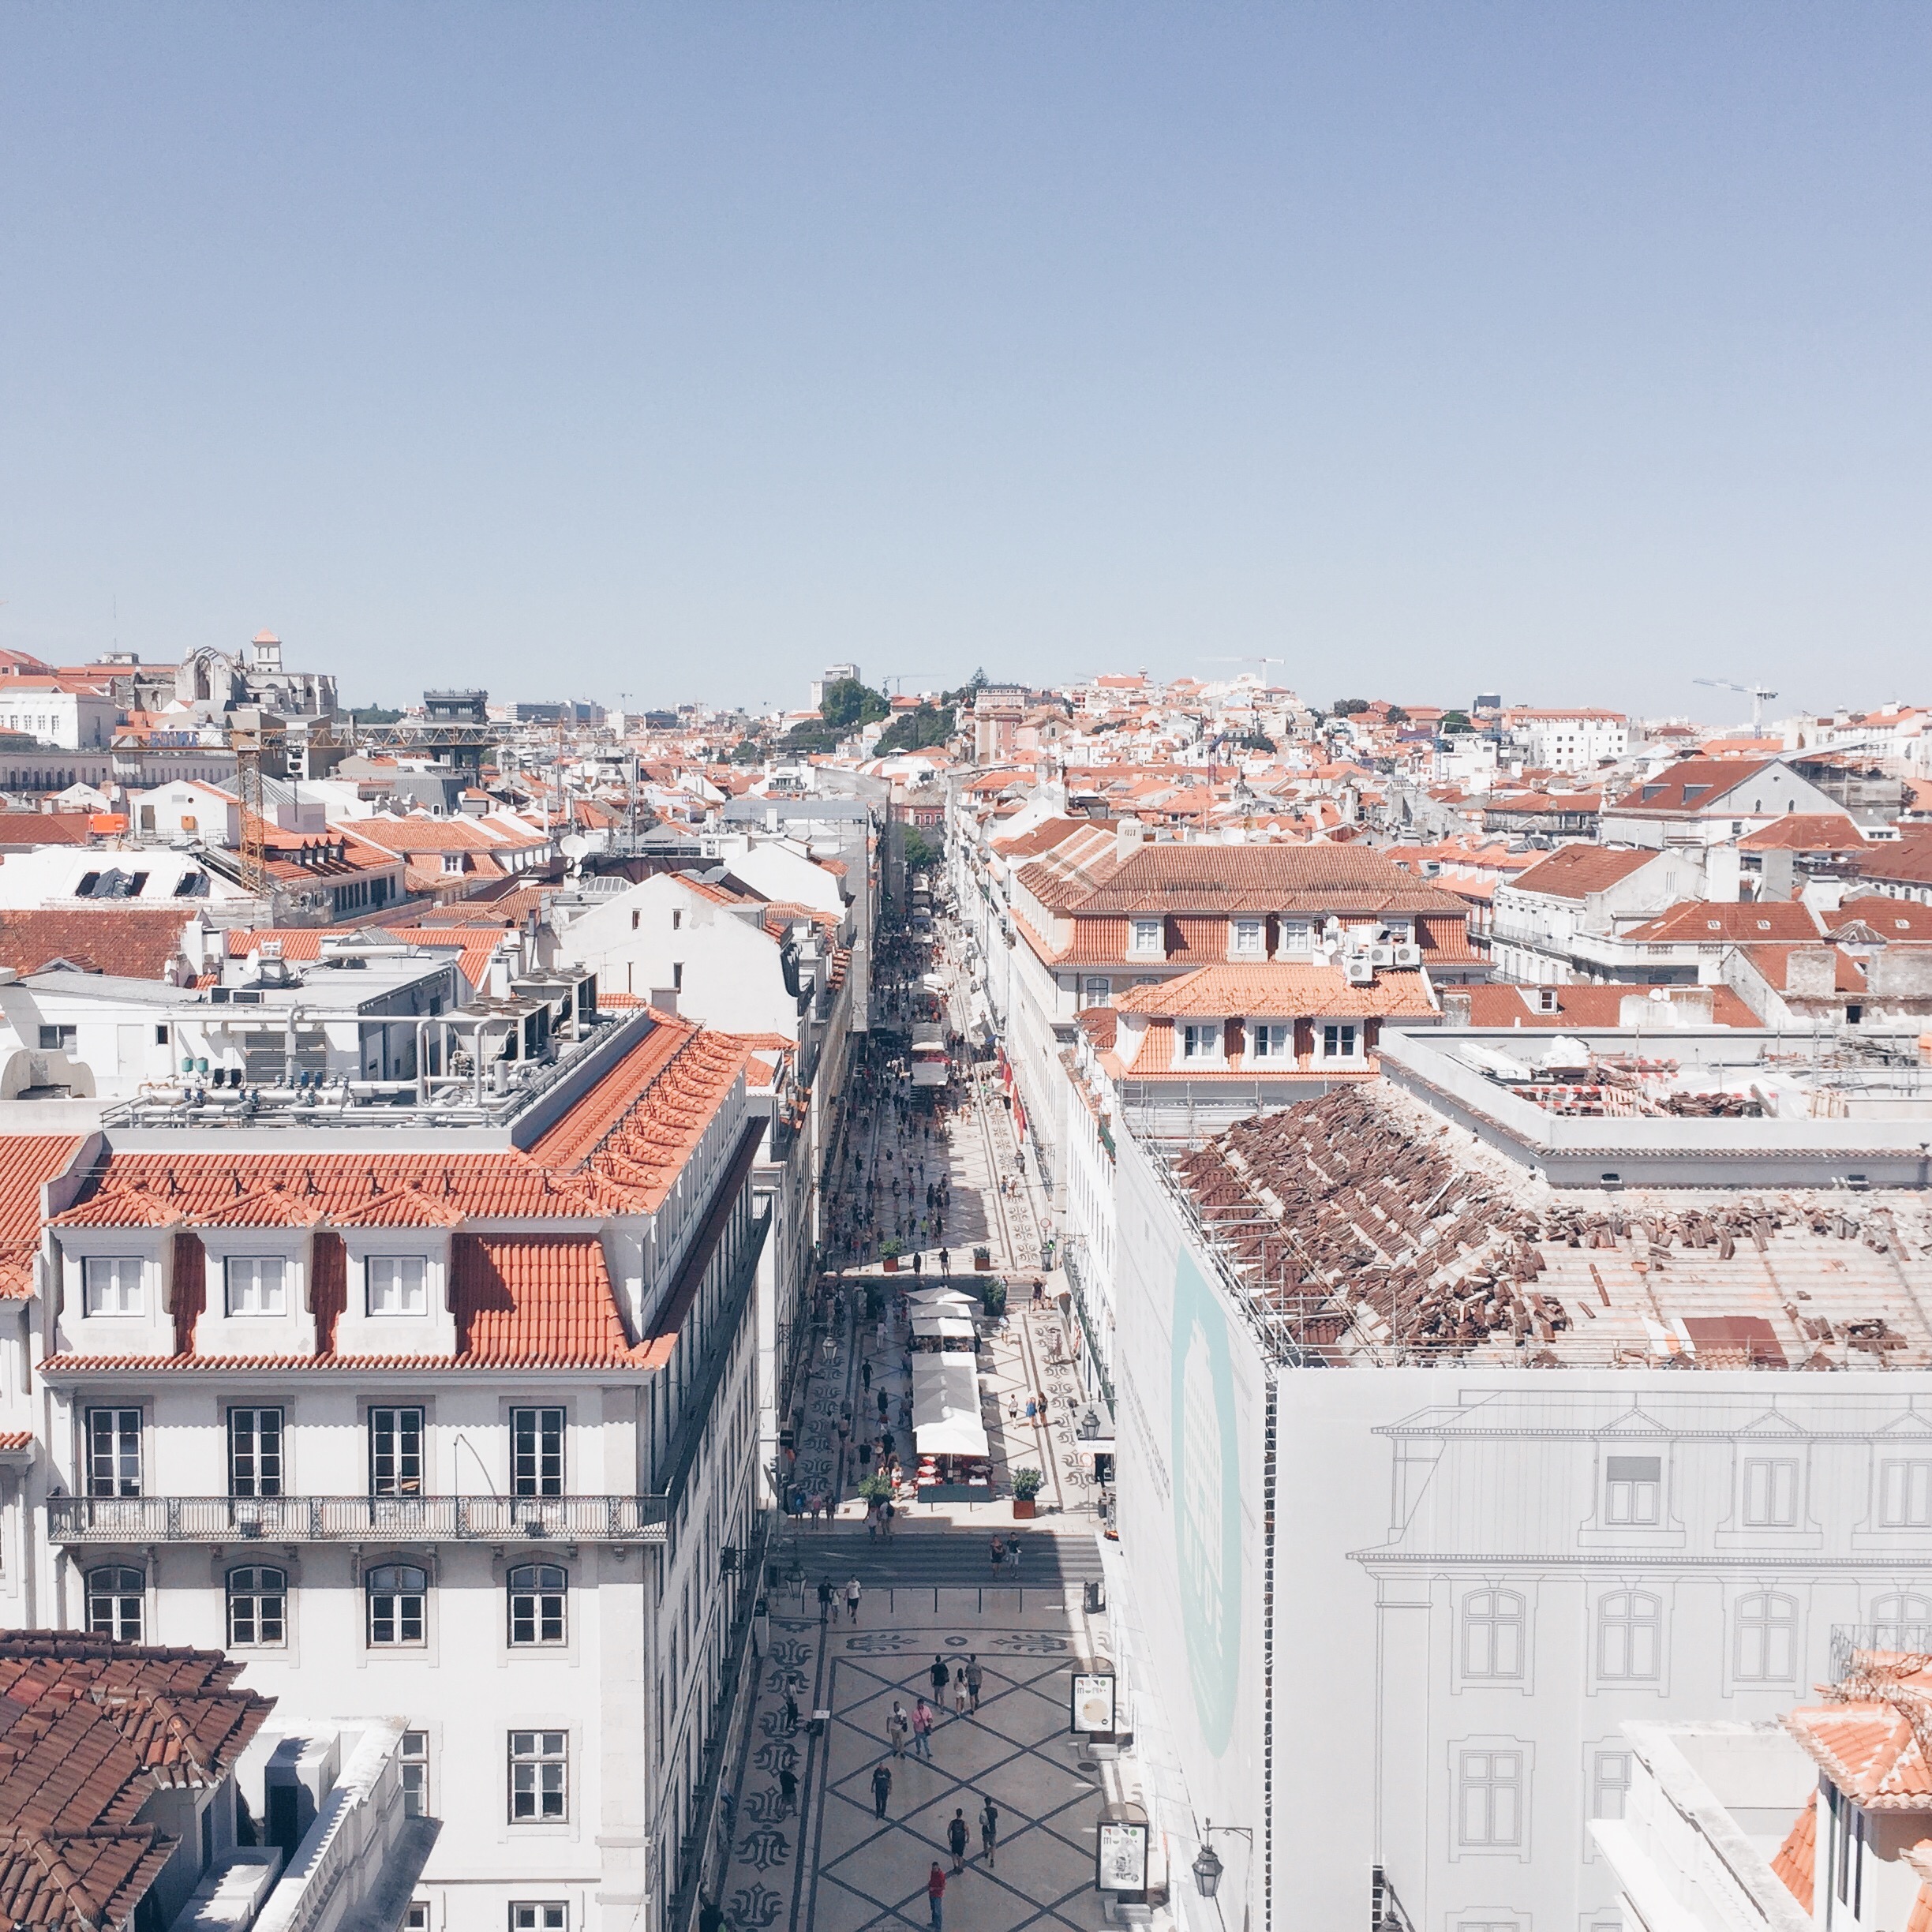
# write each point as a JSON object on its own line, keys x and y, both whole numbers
{"x": 1264, "y": 662}
{"x": 252, "y": 733}
{"x": 899, "y": 678}
{"x": 1756, "y": 693}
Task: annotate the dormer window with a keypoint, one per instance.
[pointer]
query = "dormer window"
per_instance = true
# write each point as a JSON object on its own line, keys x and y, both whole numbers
{"x": 398, "y": 1285}
{"x": 1250, "y": 938}
{"x": 1340, "y": 1041}
{"x": 1271, "y": 1039}
{"x": 257, "y": 1285}
{"x": 1146, "y": 939}
{"x": 111, "y": 1285}
{"x": 1298, "y": 935}
{"x": 1200, "y": 1039}
{"x": 452, "y": 862}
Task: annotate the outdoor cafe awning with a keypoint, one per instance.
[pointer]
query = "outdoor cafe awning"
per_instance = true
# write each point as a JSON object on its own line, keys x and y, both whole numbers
{"x": 929, "y": 1072}
{"x": 948, "y": 1327}
{"x": 946, "y": 1406}
{"x": 942, "y": 1302}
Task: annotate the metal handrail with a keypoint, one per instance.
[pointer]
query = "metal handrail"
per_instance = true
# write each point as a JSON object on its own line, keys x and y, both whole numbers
{"x": 355, "y": 1519}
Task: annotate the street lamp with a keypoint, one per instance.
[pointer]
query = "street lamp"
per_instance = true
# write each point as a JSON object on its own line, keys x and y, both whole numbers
{"x": 1208, "y": 1865}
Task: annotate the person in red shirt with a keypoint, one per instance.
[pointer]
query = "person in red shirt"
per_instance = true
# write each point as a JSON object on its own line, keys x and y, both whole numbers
{"x": 935, "y": 1896}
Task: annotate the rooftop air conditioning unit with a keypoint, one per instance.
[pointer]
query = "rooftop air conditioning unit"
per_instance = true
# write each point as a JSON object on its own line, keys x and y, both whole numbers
{"x": 1381, "y": 956}
{"x": 1408, "y": 954}
{"x": 1360, "y": 972}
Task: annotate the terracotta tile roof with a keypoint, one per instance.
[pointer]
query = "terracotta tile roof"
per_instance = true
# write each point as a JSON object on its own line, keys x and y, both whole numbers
{"x": 1798, "y": 1854}
{"x": 1161, "y": 877}
{"x": 1906, "y": 860}
{"x": 1806, "y": 831}
{"x": 1887, "y": 918}
{"x": 28, "y": 1162}
{"x": 1693, "y": 785}
{"x": 1705, "y": 921}
{"x": 1573, "y": 871}
{"x": 1040, "y": 841}
{"x": 94, "y": 1729}
{"x": 534, "y": 1300}
{"x": 1501, "y": 1004}
{"x": 1278, "y": 991}
{"x": 617, "y": 1151}
{"x": 1871, "y": 1740}
{"x": 20, "y": 829}
{"x": 15, "y": 1438}
{"x": 135, "y": 942}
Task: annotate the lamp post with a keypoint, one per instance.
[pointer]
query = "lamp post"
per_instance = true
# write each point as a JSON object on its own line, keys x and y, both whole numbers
{"x": 1208, "y": 1867}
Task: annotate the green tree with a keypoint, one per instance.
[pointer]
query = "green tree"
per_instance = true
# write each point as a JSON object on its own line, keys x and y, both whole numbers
{"x": 921, "y": 853}
{"x": 847, "y": 704}
{"x": 747, "y": 751}
{"x": 1347, "y": 707}
{"x": 912, "y": 730}
{"x": 1452, "y": 722}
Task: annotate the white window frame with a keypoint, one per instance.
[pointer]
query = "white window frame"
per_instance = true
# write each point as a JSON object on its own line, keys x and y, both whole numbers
{"x": 1901, "y": 1620}
{"x": 1495, "y": 1626}
{"x": 413, "y": 1759}
{"x": 539, "y": 1782}
{"x": 266, "y": 1626}
{"x": 1339, "y": 1041}
{"x": 1201, "y": 1041}
{"x": 1096, "y": 990}
{"x": 254, "y": 1286}
{"x": 1769, "y": 1497}
{"x": 1764, "y": 1646}
{"x": 1295, "y": 935}
{"x": 1629, "y": 1635}
{"x": 1271, "y": 1039}
{"x": 1146, "y": 939}
{"x": 1242, "y": 945}
{"x": 1492, "y": 1797}
{"x": 1631, "y": 1498}
{"x": 115, "y": 1452}
{"x": 113, "y": 1284}
{"x": 1905, "y": 1493}
{"x": 391, "y": 1583}
{"x": 402, "y": 1281}
{"x": 540, "y": 1915}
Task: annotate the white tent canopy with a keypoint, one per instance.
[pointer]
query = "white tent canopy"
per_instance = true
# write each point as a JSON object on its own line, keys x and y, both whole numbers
{"x": 942, "y": 1302}
{"x": 946, "y": 1406}
{"x": 948, "y": 1327}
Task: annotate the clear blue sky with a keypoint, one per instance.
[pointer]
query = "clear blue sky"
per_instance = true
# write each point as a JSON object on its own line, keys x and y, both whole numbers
{"x": 1570, "y": 350}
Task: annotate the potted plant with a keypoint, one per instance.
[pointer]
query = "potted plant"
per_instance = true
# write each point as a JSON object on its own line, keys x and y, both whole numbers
{"x": 993, "y": 1298}
{"x": 890, "y": 1249}
{"x": 983, "y": 1258}
{"x": 1026, "y": 1484}
{"x": 875, "y": 1488}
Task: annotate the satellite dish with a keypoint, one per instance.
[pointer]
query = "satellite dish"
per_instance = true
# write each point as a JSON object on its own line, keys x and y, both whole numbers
{"x": 575, "y": 846}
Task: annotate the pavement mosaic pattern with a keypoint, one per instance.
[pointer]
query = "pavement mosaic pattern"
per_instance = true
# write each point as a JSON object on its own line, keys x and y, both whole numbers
{"x": 835, "y": 1865}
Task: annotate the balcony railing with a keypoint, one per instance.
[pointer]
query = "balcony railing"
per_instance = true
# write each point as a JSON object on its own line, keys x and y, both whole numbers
{"x": 356, "y": 1519}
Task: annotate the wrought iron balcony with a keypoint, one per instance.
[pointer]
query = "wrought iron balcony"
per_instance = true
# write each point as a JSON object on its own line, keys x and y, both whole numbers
{"x": 356, "y": 1519}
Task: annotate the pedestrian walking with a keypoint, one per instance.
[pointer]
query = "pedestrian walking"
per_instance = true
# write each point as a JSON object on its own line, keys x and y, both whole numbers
{"x": 791, "y": 1712}
{"x": 935, "y": 1897}
{"x": 787, "y": 1788}
{"x": 865, "y": 1375}
{"x": 976, "y": 1680}
{"x": 851, "y": 1602}
{"x": 882, "y": 1787}
{"x": 825, "y": 1589}
{"x": 922, "y": 1730}
{"x": 989, "y": 1829}
{"x": 959, "y": 1693}
{"x": 728, "y": 1810}
{"x": 941, "y": 1677}
{"x": 999, "y": 1552}
{"x": 898, "y": 1728}
{"x": 710, "y": 1915}
{"x": 956, "y": 1835}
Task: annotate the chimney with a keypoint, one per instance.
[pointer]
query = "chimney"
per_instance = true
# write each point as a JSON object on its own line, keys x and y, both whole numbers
{"x": 1458, "y": 1009}
{"x": 1127, "y": 836}
{"x": 1776, "y": 873}
{"x": 664, "y": 999}
{"x": 1811, "y": 972}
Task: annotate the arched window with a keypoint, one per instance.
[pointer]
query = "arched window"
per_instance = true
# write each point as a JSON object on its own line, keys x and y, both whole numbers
{"x": 397, "y": 1593}
{"x": 114, "y": 1597}
{"x": 1766, "y": 1646}
{"x": 1902, "y": 1621}
{"x": 536, "y": 1604}
{"x": 1629, "y": 1626}
{"x": 257, "y": 1607}
{"x": 1492, "y": 1634}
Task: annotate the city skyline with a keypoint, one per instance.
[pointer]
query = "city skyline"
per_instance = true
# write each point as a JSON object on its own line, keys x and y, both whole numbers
{"x": 715, "y": 348}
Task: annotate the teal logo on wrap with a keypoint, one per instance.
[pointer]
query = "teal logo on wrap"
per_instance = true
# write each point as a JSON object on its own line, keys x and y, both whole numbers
{"x": 1207, "y": 1501}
